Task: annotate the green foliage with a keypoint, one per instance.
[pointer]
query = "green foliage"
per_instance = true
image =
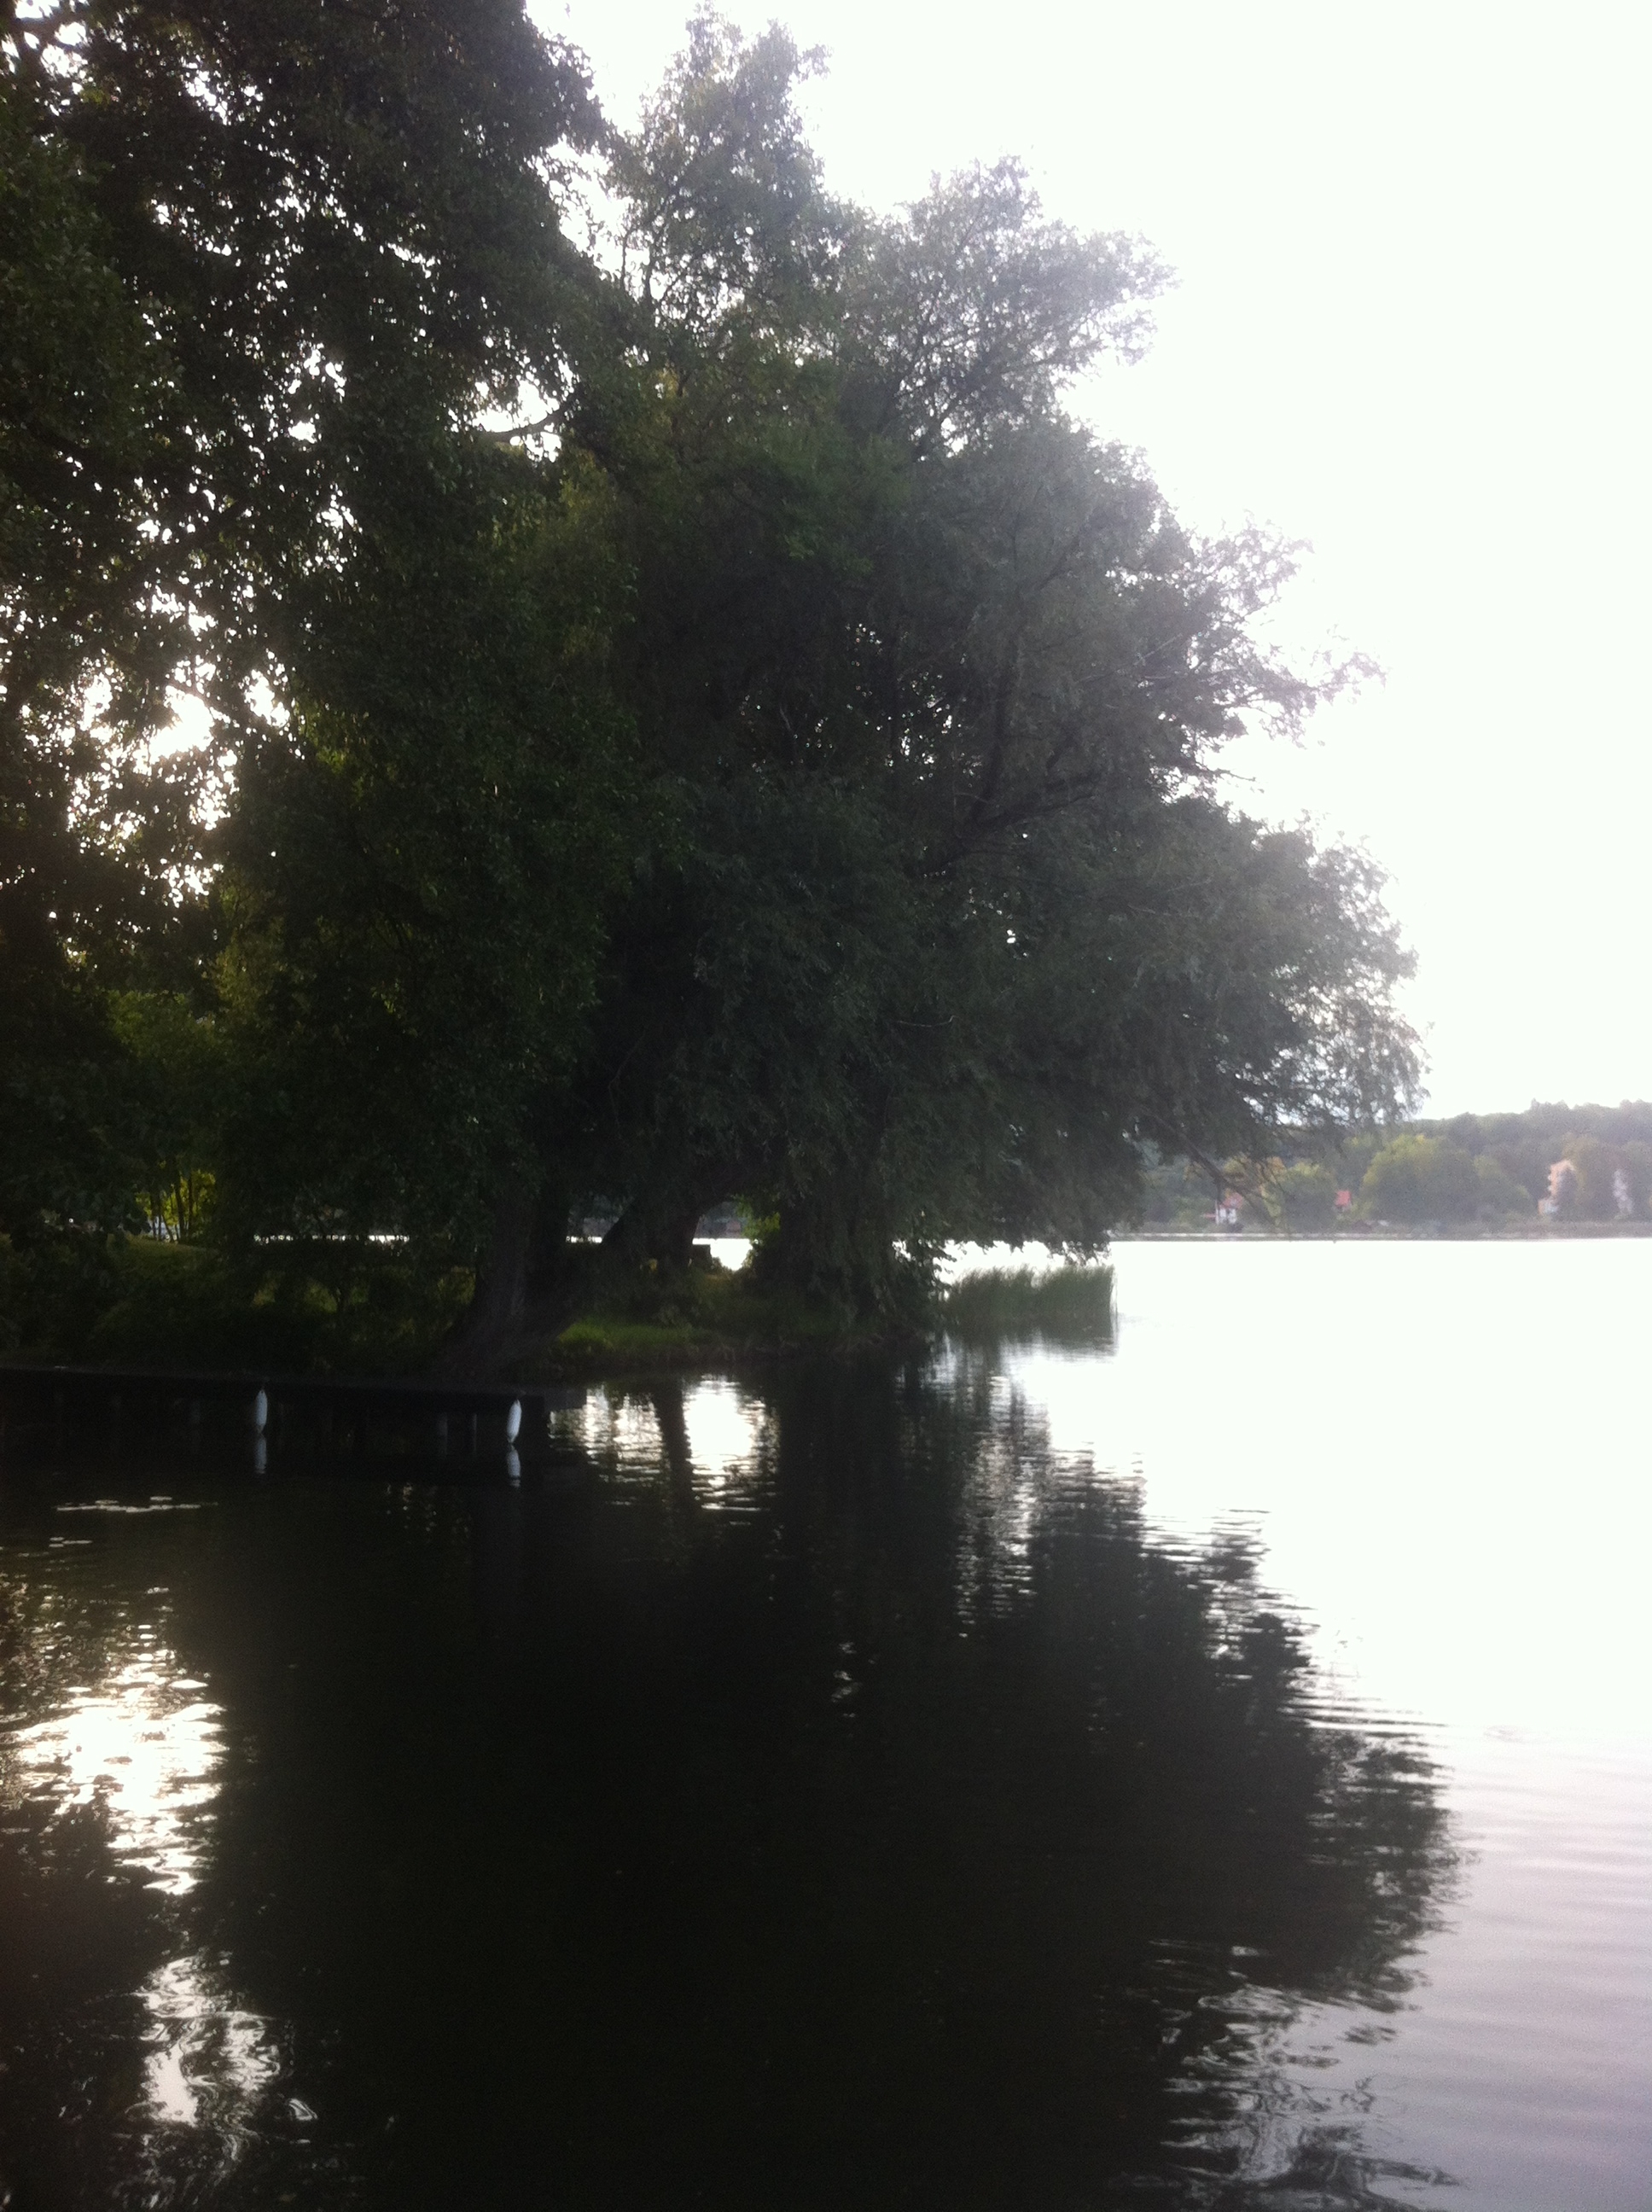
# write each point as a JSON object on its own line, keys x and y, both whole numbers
{"x": 83, "y": 821}
{"x": 1068, "y": 1302}
{"x": 791, "y": 774}
{"x": 414, "y": 880}
{"x": 1636, "y": 1159}
{"x": 1174, "y": 1192}
{"x": 1352, "y": 1155}
{"x": 268, "y": 265}
{"x": 1419, "y": 1179}
{"x": 1589, "y": 1194}
{"x": 947, "y": 931}
{"x": 1500, "y": 1196}
{"x": 659, "y": 1317}
{"x": 1306, "y": 1195}
{"x": 1416, "y": 1178}
{"x": 143, "y": 1301}
{"x": 53, "y": 1289}
{"x": 178, "y": 1078}
{"x": 726, "y": 230}
{"x": 1526, "y": 1145}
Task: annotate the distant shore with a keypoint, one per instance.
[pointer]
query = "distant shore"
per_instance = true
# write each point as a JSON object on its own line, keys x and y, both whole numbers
{"x": 1436, "y": 1232}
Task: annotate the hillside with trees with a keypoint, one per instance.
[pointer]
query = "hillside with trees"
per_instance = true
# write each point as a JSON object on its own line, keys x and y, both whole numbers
{"x": 1489, "y": 1170}
{"x": 681, "y": 711}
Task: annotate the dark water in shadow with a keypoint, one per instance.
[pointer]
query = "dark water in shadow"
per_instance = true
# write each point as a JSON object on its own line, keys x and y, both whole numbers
{"x": 818, "y": 1794}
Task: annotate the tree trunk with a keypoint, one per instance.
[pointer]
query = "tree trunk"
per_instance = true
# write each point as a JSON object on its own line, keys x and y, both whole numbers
{"x": 665, "y": 1235}
{"x": 529, "y": 1287}
{"x": 493, "y": 1316}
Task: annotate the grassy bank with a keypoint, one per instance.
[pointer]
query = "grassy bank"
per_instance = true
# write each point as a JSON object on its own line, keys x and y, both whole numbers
{"x": 711, "y": 1315}
{"x": 703, "y": 1317}
{"x": 139, "y": 1302}
{"x": 325, "y": 1310}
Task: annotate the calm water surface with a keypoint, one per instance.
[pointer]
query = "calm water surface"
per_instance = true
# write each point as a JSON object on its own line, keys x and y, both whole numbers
{"x": 1207, "y": 1769}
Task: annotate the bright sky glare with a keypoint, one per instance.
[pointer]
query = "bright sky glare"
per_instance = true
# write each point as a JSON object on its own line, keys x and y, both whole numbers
{"x": 1411, "y": 328}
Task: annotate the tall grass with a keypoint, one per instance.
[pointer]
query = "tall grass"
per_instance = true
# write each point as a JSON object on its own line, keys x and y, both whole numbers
{"x": 1071, "y": 1302}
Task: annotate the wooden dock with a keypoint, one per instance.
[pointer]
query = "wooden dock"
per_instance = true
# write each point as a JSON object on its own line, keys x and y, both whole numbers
{"x": 326, "y": 1408}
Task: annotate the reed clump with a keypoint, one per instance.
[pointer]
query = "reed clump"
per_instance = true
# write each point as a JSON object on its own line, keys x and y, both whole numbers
{"x": 1069, "y": 1301}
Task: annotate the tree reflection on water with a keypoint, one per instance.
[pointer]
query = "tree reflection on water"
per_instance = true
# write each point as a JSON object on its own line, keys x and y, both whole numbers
{"x": 825, "y": 1795}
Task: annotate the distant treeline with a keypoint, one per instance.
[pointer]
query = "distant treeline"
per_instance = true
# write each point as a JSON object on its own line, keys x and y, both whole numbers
{"x": 1579, "y": 1162}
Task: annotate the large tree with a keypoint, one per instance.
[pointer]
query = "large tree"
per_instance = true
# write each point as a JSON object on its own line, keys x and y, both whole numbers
{"x": 948, "y": 917}
{"x": 696, "y": 720}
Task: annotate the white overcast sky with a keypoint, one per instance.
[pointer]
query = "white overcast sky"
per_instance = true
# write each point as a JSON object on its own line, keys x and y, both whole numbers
{"x": 1411, "y": 327}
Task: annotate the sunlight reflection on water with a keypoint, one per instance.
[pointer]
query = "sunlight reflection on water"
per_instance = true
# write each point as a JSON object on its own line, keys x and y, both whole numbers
{"x": 138, "y": 1745}
{"x": 711, "y": 1434}
{"x": 139, "y": 1742}
{"x": 209, "y": 2062}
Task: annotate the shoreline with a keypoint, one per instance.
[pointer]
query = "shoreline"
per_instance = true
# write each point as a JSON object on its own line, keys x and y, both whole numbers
{"x": 750, "y": 1332}
{"x": 1396, "y": 1232}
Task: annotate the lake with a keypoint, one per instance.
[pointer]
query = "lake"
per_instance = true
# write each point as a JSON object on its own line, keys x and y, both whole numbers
{"x": 1209, "y": 1768}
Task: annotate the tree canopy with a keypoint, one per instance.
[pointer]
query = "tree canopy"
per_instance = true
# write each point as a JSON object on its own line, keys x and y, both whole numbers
{"x": 689, "y": 714}
{"x": 267, "y": 266}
